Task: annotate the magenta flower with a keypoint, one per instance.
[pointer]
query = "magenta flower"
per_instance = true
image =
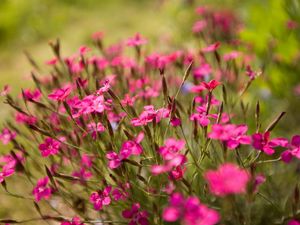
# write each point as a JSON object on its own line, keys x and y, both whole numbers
{"x": 199, "y": 26}
{"x": 171, "y": 148}
{"x": 228, "y": 179}
{"x": 293, "y": 151}
{"x": 23, "y": 118}
{"x": 49, "y": 147}
{"x": 94, "y": 128}
{"x": 293, "y": 222}
{"x": 136, "y": 216}
{"x": 75, "y": 221}
{"x": 232, "y": 135}
{"x": 7, "y": 135}
{"x": 202, "y": 71}
{"x": 34, "y": 95}
{"x": 82, "y": 174}
{"x": 114, "y": 160}
{"x": 137, "y": 40}
{"x": 212, "y": 47}
{"x": 42, "y": 190}
{"x": 211, "y": 85}
{"x": 200, "y": 116}
{"x": 230, "y": 56}
{"x": 5, "y": 91}
{"x": 262, "y": 142}
{"x": 101, "y": 198}
{"x": 6, "y": 172}
{"x": 189, "y": 211}
{"x": 149, "y": 114}
{"x": 60, "y": 94}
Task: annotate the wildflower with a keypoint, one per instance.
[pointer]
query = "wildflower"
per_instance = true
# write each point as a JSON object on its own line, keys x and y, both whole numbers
{"x": 42, "y": 190}
{"x": 94, "y": 128}
{"x": 82, "y": 174}
{"x": 60, "y": 94}
{"x": 199, "y": 26}
{"x": 6, "y": 172}
{"x": 49, "y": 147}
{"x": 137, "y": 40}
{"x": 231, "y": 134}
{"x": 212, "y": 47}
{"x": 231, "y": 55}
{"x": 101, "y": 198}
{"x": 34, "y": 95}
{"x": 211, "y": 85}
{"x": 189, "y": 211}
{"x": 52, "y": 61}
{"x": 5, "y": 91}
{"x": 75, "y": 221}
{"x": 114, "y": 160}
{"x": 293, "y": 151}
{"x": 136, "y": 216}
{"x": 171, "y": 148}
{"x": 98, "y": 35}
{"x": 202, "y": 71}
{"x": 23, "y": 118}
{"x": 262, "y": 142}
{"x": 201, "y": 117}
{"x": 7, "y": 135}
{"x": 228, "y": 179}
{"x": 293, "y": 222}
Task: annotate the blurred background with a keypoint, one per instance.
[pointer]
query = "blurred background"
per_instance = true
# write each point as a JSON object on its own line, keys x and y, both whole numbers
{"x": 271, "y": 28}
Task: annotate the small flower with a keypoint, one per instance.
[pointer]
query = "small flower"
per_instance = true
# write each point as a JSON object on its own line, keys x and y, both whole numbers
{"x": 262, "y": 142}
{"x": 136, "y": 216}
{"x": 101, "y": 198}
{"x": 202, "y": 71}
{"x": 189, "y": 211}
{"x": 7, "y": 135}
{"x": 34, "y": 95}
{"x": 137, "y": 40}
{"x": 94, "y": 128}
{"x": 293, "y": 222}
{"x": 60, "y": 94}
{"x": 228, "y": 179}
{"x": 211, "y": 85}
{"x": 212, "y": 47}
{"x": 293, "y": 151}
{"x": 199, "y": 26}
{"x": 75, "y": 221}
{"x": 49, "y": 147}
{"x": 42, "y": 190}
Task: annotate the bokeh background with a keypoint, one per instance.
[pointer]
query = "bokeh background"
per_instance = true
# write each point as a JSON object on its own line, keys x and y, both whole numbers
{"x": 270, "y": 27}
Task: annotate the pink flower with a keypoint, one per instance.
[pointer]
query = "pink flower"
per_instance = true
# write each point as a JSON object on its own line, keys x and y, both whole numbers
{"x": 7, "y": 135}
{"x": 211, "y": 85}
{"x": 171, "y": 148}
{"x": 82, "y": 174}
{"x": 5, "y": 91}
{"x": 175, "y": 122}
{"x": 6, "y": 172}
{"x": 120, "y": 193}
{"x": 94, "y": 128}
{"x": 23, "y": 118}
{"x": 34, "y": 95}
{"x": 137, "y": 40}
{"x": 114, "y": 160}
{"x": 200, "y": 116}
{"x": 212, "y": 47}
{"x": 228, "y": 179}
{"x": 262, "y": 142}
{"x": 101, "y": 198}
{"x": 149, "y": 114}
{"x": 293, "y": 151}
{"x": 75, "y": 221}
{"x": 60, "y": 94}
{"x": 98, "y": 35}
{"x": 136, "y": 216}
{"x": 189, "y": 211}
{"x": 42, "y": 190}
{"x": 52, "y": 62}
{"x": 231, "y": 55}
{"x": 293, "y": 222}
{"x": 202, "y": 71}
{"x": 199, "y": 26}
{"x": 230, "y": 134}
{"x": 49, "y": 147}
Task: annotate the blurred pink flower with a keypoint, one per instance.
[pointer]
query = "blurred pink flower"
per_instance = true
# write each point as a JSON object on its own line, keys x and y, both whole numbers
{"x": 42, "y": 190}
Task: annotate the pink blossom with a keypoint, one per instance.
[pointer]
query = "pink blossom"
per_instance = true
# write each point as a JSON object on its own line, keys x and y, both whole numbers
{"x": 75, "y": 221}
{"x": 49, "y": 147}
{"x": 175, "y": 122}
{"x": 136, "y": 216}
{"x": 101, "y": 198}
{"x": 42, "y": 190}
{"x": 201, "y": 117}
{"x": 82, "y": 174}
{"x": 98, "y": 35}
{"x": 199, "y": 26}
{"x": 202, "y": 71}
{"x": 60, "y": 94}
{"x": 212, "y": 47}
{"x": 189, "y": 211}
{"x": 7, "y": 135}
{"x": 6, "y": 172}
{"x": 5, "y": 91}
{"x": 94, "y": 128}
{"x": 34, "y": 95}
{"x": 211, "y": 85}
{"x": 137, "y": 40}
{"x": 293, "y": 222}
{"x": 262, "y": 142}
{"x": 293, "y": 151}
{"x": 23, "y": 118}
{"x": 52, "y": 62}
{"x": 171, "y": 148}
{"x": 148, "y": 115}
{"x": 231, "y": 55}
{"x": 114, "y": 160}
{"x": 228, "y": 179}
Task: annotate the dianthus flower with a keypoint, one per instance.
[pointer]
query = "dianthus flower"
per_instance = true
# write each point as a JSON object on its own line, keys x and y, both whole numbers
{"x": 75, "y": 221}
{"x": 94, "y": 128}
{"x": 60, "y": 94}
{"x": 171, "y": 148}
{"x": 136, "y": 216}
{"x": 23, "y": 118}
{"x": 232, "y": 135}
{"x": 189, "y": 211}
{"x": 137, "y": 40}
{"x": 49, "y": 147}
{"x": 7, "y": 135}
{"x": 293, "y": 151}
{"x": 34, "y": 95}
{"x": 101, "y": 198}
{"x": 42, "y": 190}
{"x": 264, "y": 143}
{"x": 228, "y": 179}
